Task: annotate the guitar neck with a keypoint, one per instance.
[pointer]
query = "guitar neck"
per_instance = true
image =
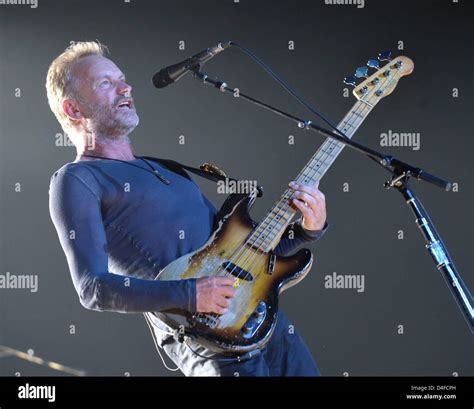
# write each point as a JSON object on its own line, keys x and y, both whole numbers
{"x": 327, "y": 153}
{"x": 268, "y": 233}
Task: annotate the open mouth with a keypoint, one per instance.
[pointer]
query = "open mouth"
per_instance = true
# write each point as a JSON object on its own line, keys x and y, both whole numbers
{"x": 125, "y": 104}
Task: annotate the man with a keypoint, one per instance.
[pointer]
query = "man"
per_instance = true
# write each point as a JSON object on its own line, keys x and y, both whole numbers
{"x": 121, "y": 219}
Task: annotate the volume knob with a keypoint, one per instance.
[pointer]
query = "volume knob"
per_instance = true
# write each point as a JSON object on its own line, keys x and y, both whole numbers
{"x": 260, "y": 310}
{"x": 247, "y": 328}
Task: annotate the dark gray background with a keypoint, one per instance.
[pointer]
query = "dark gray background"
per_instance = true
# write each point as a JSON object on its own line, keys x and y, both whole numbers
{"x": 345, "y": 330}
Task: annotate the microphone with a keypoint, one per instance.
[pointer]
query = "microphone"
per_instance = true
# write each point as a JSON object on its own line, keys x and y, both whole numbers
{"x": 173, "y": 73}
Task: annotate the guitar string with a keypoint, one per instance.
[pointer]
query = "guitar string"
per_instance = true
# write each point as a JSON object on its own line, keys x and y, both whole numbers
{"x": 329, "y": 143}
{"x": 310, "y": 174}
{"x": 339, "y": 145}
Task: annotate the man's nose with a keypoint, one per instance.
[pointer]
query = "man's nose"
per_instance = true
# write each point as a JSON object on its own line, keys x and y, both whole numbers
{"x": 125, "y": 89}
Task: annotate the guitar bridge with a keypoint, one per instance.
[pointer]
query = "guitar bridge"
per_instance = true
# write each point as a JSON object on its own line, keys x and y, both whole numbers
{"x": 207, "y": 320}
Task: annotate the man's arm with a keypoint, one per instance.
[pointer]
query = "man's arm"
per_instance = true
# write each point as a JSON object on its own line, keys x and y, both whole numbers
{"x": 295, "y": 236}
{"x": 312, "y": 225}
{"x": 75, "y": 210}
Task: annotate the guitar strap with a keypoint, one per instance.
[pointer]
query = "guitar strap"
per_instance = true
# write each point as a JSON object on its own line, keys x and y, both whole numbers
{"x": 206, "y": 170}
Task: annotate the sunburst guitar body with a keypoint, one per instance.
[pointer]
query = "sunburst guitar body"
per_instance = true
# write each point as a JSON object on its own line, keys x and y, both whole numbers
{"x": 259, "y": 278}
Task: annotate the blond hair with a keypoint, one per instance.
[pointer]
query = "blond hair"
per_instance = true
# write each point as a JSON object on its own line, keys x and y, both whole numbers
{"x": 60, "y": 83}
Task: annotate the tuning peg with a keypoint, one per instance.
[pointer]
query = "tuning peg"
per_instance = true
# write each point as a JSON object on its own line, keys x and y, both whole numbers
{"x": 385, "y": 56}
{"x": 361, "y": 72}
{"x": 350, "y": 81}
{"x": 373, "y": 64}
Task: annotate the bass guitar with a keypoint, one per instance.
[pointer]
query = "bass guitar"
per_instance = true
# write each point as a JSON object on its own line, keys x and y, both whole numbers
{"x": 243, "y": 249}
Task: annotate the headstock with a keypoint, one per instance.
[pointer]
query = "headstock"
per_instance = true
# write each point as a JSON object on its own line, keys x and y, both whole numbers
{"x": 382, "y": 82}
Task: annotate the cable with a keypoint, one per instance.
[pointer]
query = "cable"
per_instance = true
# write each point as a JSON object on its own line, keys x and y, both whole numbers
{"x": 153, "y": 335}
{"x": 277, "y": 78}
{"x": 288, "y": 89}
{"x": 240, "y": 358}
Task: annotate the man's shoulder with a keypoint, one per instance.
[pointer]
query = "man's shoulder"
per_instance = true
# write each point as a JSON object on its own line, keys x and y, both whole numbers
{"x": 76, "y": 169}
{"x": 73, "y": 178}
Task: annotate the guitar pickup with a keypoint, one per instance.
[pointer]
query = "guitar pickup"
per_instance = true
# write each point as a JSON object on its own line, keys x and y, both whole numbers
{"x": 237, "y": 271}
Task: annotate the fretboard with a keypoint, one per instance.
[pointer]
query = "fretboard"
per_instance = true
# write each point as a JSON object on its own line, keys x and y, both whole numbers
{"x": 268, "y": 233}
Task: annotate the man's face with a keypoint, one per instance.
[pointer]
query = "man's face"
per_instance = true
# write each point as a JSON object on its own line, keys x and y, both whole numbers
{"x": 104, "y": 98}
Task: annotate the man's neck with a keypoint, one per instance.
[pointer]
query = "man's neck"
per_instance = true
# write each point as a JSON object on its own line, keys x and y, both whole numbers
{"x": 108, "y": 148}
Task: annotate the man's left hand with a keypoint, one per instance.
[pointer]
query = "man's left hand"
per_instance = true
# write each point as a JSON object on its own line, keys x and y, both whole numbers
{"x": 312, "y": 203}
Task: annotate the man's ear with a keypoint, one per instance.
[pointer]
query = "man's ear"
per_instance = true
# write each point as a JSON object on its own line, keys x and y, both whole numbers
{"x": 71, "y": 110}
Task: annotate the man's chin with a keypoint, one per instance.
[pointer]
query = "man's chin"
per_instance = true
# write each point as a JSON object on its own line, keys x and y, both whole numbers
{"x": 128, "y": 125}
{"x": 120, "y": 128}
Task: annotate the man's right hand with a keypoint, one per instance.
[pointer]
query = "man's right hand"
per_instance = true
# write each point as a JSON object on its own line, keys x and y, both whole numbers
{"x": 213, "y": 294}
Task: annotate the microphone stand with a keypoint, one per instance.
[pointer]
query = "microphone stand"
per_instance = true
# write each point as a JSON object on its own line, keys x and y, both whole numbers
{"x": 401, "y": 173}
